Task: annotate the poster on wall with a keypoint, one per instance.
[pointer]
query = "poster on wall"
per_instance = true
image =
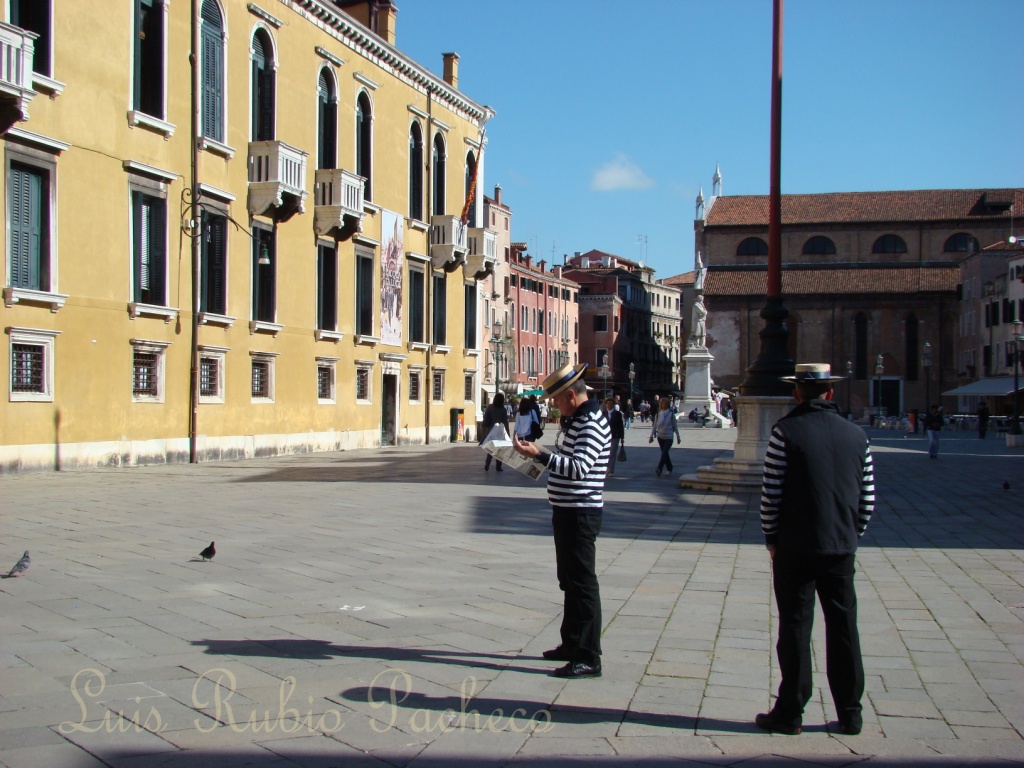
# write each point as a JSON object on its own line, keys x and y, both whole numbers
{"x": 391, "y": 249}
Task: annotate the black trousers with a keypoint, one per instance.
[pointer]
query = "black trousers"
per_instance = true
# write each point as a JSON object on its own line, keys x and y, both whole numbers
{"x": 576, "y": 562}
{"x": 665, "y": 462}
{"x": 797, "y": 578}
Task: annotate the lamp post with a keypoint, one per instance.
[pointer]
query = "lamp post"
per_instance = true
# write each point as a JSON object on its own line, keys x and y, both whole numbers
{"x": 604, "y": 373}
{"x": 632, "y": 376}
{"x": 1018, "y": 343}
{"x": 926, "y": 361}
{"x": 849, "y": 384}
{"x": 879, "y": 369}
{"x": 563, "y": 355}
{"x": 498, "y": 347}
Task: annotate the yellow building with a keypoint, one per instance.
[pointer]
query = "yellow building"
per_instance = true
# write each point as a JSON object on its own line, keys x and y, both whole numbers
{"x": 233, "y": 228}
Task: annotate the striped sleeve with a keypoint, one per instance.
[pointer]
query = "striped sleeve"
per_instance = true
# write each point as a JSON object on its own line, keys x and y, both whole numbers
{"x": 867, "y": 492}
{"x": 578, "y": 469}
{"x": 771, "y": 485}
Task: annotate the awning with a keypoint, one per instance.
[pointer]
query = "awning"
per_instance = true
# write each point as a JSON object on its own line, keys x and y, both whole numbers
{"x": 999, "y": 386}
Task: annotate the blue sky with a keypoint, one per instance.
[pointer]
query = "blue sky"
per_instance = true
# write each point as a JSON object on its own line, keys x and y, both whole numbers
{"x": 611, "y": 115}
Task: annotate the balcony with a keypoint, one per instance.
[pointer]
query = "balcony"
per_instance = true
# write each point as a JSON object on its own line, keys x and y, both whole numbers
{"x": 447, "y": 242}
{"x": 338, "y": 203}
{"x": 16, "y": 48}
{"x": 483, "y": 252}
{"x": 277, "y": 180}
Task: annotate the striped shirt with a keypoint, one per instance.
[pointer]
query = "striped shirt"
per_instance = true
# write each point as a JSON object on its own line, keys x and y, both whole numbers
{"x": 580, "y": 461}
{"x": 820, "y": 494}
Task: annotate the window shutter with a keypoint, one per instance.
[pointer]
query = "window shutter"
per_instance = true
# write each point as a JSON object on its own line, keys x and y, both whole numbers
{"x": 265, "y": 277}
{"x": 157, "y": 251}
{"x": 214, "y": 265}
{"x": 213, "y": 73}
{"x": 327, "y": 155}
{"x": 365, "y": 297}
{"x": 327, "y": 295}
{"x": 26, "y": 229}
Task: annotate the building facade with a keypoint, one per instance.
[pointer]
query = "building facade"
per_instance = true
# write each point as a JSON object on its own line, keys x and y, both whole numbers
{"x": 629, "y": 317}
{"x": 271, "y": 252}
{"x": 868, "y": 278}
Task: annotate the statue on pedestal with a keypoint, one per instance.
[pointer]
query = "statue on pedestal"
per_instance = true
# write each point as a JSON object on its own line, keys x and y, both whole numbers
{"x": 699, "y": 335}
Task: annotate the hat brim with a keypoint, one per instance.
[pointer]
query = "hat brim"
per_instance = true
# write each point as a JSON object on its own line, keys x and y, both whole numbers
{"x": 561, "y": 383}
{"x": 811, "y": 379}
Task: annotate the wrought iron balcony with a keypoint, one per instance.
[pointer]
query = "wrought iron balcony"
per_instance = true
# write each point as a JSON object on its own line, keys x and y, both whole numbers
{"x": 16, "y": 48}
{"x": 277, "y": 180}
{"x": 338, "y": 202}
{"x": 447, "y": 242}
{"x": 483, "y": 252}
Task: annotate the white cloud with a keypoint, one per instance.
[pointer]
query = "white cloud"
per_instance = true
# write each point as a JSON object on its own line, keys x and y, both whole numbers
{"x": 620, "y": 173}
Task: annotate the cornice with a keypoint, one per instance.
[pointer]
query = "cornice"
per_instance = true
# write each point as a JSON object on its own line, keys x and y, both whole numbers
{"x": 370, "y": 46}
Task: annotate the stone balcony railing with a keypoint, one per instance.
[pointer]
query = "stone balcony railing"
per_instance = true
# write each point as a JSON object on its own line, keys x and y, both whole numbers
{"x": 483, "y": 252}
{"x": 277, "y": 179}
{"x": 17, "y": 46}
{"x": 338, "y": 202}
{"x": 448, "y": 244}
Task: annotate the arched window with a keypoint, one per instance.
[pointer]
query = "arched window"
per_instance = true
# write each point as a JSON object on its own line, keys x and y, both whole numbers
{"x": 860, "y": 345}
{"x": 438, "y": 170}
{"x": 752, "y": 246}
{"x": 889, "y": 244}
{"x": 961, "y": 242}
{"x": 36, "y": 16}
{"x": 327, "y": 121}
{"x": 819, "y": 245}
{"x": 262, "y": 87}
{"x": 212, "y": 44}
{"x": 910, "y": 354}
{"x": 470, "y": 182}
{"x": 415, "y": 172}
{"x": 364, "y": 143}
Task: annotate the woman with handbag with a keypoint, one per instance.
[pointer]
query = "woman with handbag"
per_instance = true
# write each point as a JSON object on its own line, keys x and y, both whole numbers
{"x": 527, "y": 421}
{"x": 618, "y": 426}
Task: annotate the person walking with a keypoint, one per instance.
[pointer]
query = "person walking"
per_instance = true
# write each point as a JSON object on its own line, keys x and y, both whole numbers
{"x": 526, "y": 417}
{"x": 618, "y": 427}
{"x": 983, "y": 416}
{"x": 933, "y": 423}
{"x": 627, "y": 414}
{"x": 817, "y": 497}
{"x": 576, "y": 473}
{"x": 663, "y": 427}
{"x": 495, "y": 413}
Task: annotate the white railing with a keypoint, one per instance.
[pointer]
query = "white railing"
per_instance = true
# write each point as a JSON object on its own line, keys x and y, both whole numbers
{"x": 483, "y": 242}
{"x": 448, "y": 230}
{"x": 16, "y": 49}
{"x": 338, "y": 188}
{"x": 274, "y": 162}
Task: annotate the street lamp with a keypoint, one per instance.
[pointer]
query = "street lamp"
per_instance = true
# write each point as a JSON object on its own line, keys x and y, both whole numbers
{"x": 926, "y": 361}
{"x": 604, "y": 373}
{"x": 498, "y": 348}
{"x": 563, "y": 356}
{"x": 632, "y": 376}
{"x": 879, "y": 369}
{"x": 1018, "y": 343}
{"x": 849, "y": 384}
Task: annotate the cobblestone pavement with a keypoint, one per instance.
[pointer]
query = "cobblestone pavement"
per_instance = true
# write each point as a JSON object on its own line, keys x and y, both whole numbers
{"x": 389, "y": 607}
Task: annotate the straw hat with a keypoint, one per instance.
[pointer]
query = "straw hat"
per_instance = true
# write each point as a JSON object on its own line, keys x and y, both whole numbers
{"x": 560, "y": 380}
{"x": 819, "y": 372}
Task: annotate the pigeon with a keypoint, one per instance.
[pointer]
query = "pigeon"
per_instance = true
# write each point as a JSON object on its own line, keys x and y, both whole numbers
{"x": 21, "y": 566}
{"x": 206, "y": 554}
{"x": 1006, "y": 487}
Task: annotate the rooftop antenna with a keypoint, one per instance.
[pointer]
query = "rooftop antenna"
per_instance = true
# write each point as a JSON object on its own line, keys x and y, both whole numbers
{"x": 642, "y": 241}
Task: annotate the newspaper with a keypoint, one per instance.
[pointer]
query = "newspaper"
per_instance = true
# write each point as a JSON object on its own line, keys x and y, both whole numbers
{"x": 499, "y": 445}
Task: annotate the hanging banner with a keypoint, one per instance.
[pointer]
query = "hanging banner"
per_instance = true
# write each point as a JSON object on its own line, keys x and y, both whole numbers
{"x": 391, "y": 249}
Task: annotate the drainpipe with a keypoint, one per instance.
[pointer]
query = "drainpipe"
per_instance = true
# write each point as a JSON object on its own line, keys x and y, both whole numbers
{"x": 195, "y": 220}
{"x": 428, "y": 307}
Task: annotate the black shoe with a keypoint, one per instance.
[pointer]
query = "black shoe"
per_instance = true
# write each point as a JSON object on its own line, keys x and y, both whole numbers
{"x": 561, "y": 653}
{"x": 657, "y": 472}
{"x": 500, "y": 469}
{"x": 768, "y": 721}
{"x": 851, "y": 728}
{"x": 575, "y": 669}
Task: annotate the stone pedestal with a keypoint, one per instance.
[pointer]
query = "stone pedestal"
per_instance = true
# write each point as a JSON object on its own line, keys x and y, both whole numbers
{"x": 698, "y": 378}
{"x": 742, "y": 473}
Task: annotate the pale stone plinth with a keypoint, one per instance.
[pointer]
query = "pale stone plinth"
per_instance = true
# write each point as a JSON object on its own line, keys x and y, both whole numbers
{"x": 742, "y": 472}
{"x": 698, "y": 377}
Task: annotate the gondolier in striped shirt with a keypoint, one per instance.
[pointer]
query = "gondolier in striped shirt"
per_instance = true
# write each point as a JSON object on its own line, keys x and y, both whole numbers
{"x": 817, "y": 496}
{"x": 576, "y": 474}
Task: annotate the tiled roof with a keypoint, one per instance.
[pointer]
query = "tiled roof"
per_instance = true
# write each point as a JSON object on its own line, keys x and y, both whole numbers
{"x": 1001, "y": 246}
{"x": 685, "y": 280}
{"x": 854, "y": 280}
{"x": 864, "y": 207}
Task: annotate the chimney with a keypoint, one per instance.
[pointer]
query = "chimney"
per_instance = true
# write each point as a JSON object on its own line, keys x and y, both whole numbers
{"x": 497, "y": 194}
{"x": 451, "y": 69}
{"x": 387, "y": 18}
{"x": 529, "y": 260}
{"x": 556, "y": 271}
{"x": 542, "y": 264}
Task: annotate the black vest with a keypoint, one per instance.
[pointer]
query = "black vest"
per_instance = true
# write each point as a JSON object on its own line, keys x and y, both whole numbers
{"x": 824, "y": 473}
